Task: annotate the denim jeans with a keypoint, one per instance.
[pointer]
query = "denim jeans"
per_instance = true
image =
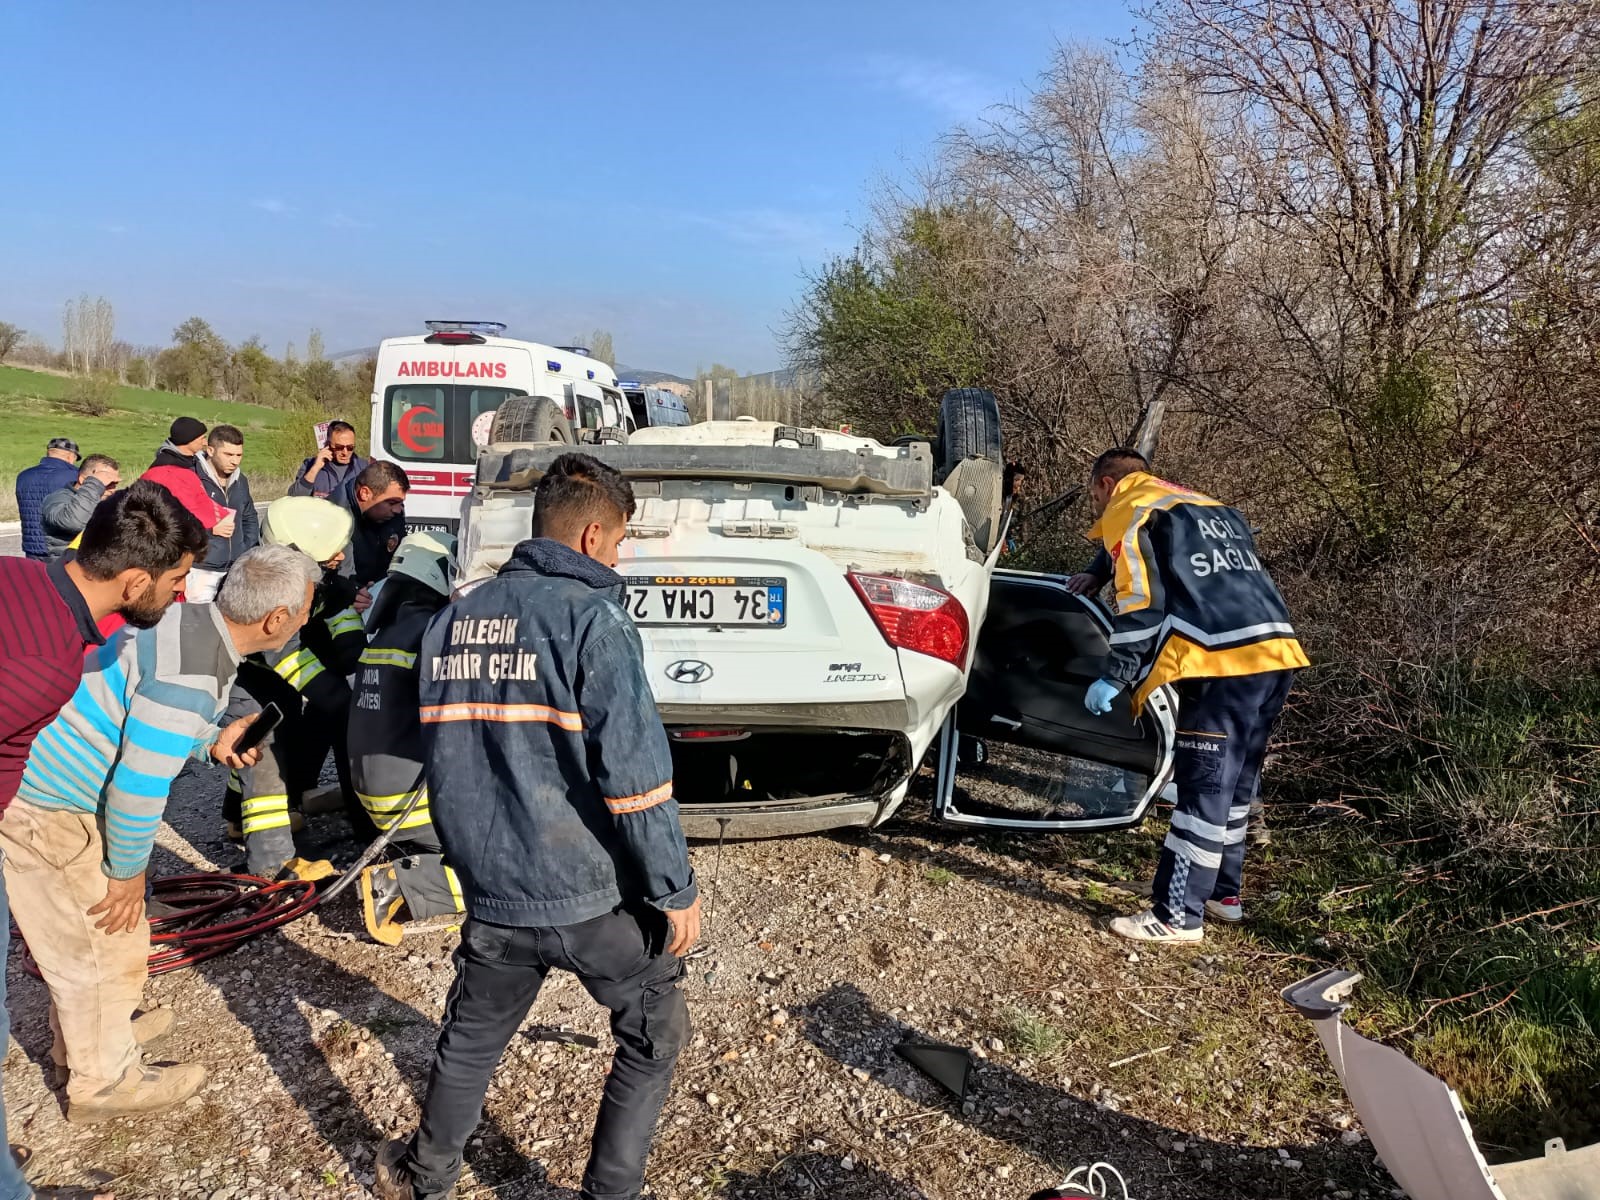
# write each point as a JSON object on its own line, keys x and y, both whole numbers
{"x": 12, "y": 1185}
{"x": 620, "y": 960}
{"x": 1223, "y": 727}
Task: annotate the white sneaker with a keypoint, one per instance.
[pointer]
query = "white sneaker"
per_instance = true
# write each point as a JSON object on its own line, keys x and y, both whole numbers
{"x": 1147, "y": 927}
{"x": 1228, "y": 910}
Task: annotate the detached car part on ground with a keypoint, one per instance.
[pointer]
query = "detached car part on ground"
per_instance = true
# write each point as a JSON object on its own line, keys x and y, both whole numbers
{"x": 1416, "y": 1122}
{"x": 815, "y": 606}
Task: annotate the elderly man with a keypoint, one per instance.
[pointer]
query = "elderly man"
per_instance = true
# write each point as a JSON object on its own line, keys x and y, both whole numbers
{"x": 56, "y": 470}
{"x": 77, "y": 839}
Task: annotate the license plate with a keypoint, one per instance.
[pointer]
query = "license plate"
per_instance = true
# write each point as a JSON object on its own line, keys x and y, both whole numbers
{"x": 707, "y": 600}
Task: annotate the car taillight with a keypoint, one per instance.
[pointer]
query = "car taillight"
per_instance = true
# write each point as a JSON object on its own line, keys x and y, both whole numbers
{"x": 709, "y": 735}
{"x": 915, "y": 616}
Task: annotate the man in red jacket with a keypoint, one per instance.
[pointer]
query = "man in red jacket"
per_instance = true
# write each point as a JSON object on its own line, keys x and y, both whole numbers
{"x": 135, "y": 554}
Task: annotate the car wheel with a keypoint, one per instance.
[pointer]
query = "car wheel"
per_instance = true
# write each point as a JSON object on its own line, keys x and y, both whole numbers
{"x": 969, "y": 427}
{"x": 530, "y": 419}
{"x": 970, "y": 464}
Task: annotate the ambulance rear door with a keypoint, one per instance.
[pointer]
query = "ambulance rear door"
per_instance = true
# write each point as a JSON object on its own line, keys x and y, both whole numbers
{"x": 436, "y": 402}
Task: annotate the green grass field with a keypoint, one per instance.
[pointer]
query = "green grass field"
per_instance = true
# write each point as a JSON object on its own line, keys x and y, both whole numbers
{"x": 32, "y": 412}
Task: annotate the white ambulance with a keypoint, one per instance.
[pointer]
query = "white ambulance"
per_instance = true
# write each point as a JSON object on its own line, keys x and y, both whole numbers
{"x": 434, "y": 397}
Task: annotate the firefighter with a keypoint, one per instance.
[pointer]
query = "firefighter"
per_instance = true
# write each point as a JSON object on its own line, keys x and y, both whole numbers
{"x": 386, "y": 739}
{"x": 307, "y": 680}
{"x": 1195, "y": 609}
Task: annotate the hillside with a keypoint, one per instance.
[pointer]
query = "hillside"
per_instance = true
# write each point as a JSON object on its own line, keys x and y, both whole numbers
{"x": 33, "y": 409}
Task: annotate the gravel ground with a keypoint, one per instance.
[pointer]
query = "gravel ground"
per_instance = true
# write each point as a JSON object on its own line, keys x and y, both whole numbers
{"x": 823, "y": 954}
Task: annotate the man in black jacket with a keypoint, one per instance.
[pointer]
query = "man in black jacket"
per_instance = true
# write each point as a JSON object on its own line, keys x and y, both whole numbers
{"x": 552, "y": 784}
{"x": 218, "y": 468}
{"x": 185, "y": 439}
{"x": 377, "y": 498}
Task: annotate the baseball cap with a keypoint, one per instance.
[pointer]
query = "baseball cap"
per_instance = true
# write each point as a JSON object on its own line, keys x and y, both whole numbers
{"x": 65, "y": 444}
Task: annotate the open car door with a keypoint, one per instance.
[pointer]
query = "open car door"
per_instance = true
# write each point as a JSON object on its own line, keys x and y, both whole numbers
{"x": 1047, "y": 763}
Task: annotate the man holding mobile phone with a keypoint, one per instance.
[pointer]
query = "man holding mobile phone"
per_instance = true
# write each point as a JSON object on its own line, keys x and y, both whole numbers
{"x": 329, "y": 471}
{"x": 78, "y": 836}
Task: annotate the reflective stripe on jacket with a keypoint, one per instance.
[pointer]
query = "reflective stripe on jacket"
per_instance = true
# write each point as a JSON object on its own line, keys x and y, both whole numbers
{"x": 547, "y": 762}
{"x": 1193, "y": 599}
{"x": 385, "y": 727}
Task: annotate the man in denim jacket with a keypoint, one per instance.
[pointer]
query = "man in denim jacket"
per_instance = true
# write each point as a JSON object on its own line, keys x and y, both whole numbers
{"x": 551, "y": 787}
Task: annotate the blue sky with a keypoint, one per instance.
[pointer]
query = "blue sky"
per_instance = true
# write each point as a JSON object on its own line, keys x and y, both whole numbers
{"x": 666, "y": 171}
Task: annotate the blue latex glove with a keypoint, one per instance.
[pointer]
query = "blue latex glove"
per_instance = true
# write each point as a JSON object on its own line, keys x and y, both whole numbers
{"x": 1100, "y": 695}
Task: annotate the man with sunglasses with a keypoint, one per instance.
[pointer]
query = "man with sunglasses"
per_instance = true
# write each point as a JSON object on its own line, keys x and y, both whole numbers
{"x": 329, "y": 471}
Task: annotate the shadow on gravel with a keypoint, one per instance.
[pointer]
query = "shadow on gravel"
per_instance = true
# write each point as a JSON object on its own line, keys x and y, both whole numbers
{"x": 938, "y": 846}
{"x": 816, "y": 1175}
{"x": 1066, "y": 1131}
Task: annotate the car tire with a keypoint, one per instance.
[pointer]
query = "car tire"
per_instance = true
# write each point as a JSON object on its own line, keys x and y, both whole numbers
{"x": 969, "y": 427}
{"x": 970, "y": 465}
{"x": 530, "y": 419}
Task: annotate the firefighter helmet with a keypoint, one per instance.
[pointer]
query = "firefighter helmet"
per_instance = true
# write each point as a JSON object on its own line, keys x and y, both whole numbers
{"x": 315, "y": 527}
{"x": 427, "y": 556}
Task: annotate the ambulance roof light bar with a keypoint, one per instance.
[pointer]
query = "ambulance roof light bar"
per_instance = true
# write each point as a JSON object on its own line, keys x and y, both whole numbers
{"x": 490, "y": 328}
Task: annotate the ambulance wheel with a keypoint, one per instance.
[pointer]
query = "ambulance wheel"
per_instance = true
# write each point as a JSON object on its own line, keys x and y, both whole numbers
{"x": 530, "y": 419}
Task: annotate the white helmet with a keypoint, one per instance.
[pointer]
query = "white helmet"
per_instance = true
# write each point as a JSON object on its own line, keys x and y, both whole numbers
{"x": 427, "y": 556}
{"x": 315, "y": 527}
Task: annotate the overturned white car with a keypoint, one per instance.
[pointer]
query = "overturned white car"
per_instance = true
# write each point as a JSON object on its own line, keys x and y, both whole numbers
{"x": 815, "y": 606}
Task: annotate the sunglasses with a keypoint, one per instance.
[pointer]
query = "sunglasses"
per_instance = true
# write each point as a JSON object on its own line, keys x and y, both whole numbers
{"x": 343, "y": 449}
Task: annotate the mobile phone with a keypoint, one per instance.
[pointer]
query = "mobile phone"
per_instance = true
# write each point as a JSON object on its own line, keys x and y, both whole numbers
{"x": 256, "y": 732}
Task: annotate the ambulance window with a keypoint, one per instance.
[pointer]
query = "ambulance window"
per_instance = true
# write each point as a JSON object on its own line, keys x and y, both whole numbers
{"x": 415, "y": 420}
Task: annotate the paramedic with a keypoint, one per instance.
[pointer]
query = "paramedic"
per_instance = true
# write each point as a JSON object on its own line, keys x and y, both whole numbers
{"x": 1195, "y": 609}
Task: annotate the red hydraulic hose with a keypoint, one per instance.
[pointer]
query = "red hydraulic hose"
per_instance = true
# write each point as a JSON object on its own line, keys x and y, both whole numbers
{"x": 202, "y": 916}
{"x": 208, "y": 915}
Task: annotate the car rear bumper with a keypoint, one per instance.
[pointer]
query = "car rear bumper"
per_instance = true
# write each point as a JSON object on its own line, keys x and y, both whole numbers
{"x": 741, "y": 778}
{"x": 790, "y": 819}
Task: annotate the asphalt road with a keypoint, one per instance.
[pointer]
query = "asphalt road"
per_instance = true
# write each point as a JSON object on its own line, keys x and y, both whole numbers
{"x": 10, "y": 538}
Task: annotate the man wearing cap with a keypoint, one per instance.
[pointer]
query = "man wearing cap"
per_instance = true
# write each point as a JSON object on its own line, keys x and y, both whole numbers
{"x": 183, "y": 444}
{"x": 56, "y": 470}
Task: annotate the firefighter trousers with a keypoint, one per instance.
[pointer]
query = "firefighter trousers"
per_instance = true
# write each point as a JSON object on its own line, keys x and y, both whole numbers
{"x": 260, "y": 797}
{"x": 1223, "y": 727}
{"x": 427, "y": 882}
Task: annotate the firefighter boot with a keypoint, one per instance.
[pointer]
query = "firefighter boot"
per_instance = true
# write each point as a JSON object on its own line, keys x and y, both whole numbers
{"x": 307, "y": 870}
{"x": 381, "y": 902}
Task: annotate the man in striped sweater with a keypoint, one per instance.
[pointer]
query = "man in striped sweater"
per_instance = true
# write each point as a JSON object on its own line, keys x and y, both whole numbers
{"x": 78, "y": 836}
